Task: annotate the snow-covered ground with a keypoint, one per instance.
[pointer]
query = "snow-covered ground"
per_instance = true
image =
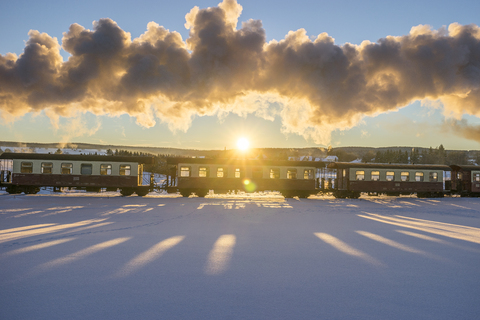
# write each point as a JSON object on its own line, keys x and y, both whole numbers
{"x": 87, "y": 256}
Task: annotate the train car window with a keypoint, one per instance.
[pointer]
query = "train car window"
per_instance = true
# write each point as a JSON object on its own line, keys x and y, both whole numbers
{"x": 105, "y": 169}
{"x": 419, "y": 176}
{"x": 433, "y": 177}
{"x": 308, "y": 174}
{"x": 291, "y": 173}
{"x": 257, "y": 173}
{"x": 67, "y": 168}
{"x": 184, "y": 171}
{"x": 390, "y": 176}
{"x": 274, "y": 173}
{"x": 375, "y": 175}
{"x": 86, "y": 168}
{"x": 203, "y": 172}
{"x": 459, "y": 176}
{"x": 47, "y": 167}
{"x": 405, "y": 176}
{"x": 238, "y": 173}
{"x": 360, "y": 175}
{"x": 125, "y": 170}
{"x": 27, "y": 167}
{"x": 221, "y": 173}
{"x": 476, "y": 177}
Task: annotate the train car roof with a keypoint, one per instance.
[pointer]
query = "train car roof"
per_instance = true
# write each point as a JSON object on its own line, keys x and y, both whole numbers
{"x": 466, "y": 167}
{"x": 247, "y": 162}
{"x": 344, "y": 165}
{"x": 76, "y": 157}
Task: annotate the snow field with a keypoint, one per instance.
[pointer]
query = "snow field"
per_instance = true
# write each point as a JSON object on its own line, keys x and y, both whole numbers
{"x": 79, "y": 256}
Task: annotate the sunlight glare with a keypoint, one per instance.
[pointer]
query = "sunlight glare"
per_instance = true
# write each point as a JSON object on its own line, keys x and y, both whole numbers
{"x": 243, "y": 144}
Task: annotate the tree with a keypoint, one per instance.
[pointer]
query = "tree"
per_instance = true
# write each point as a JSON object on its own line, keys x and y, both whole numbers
{"x": 457, "y": 157}
{"x": 441, "y": 154}
{"x": 369, "y": 156}
{"x": 414, "y": 156}
{"x": 344, "y": 156}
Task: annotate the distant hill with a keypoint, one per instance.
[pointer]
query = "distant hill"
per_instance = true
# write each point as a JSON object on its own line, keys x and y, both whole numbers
{"x": 343, "y": 153}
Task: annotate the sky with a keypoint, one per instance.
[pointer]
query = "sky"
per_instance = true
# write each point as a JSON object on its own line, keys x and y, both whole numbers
{"x": 292, "y": 74}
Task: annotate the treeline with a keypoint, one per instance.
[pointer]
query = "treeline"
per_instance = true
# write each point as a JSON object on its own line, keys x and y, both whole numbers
{"x": 436, "y": 155}
{"x": 128, "y": 153}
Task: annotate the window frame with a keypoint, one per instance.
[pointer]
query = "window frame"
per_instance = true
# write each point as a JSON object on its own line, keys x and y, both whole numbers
{"x": 238, "y": 173}
{"x": 358, "y": 174}
{"x": 308, "y": 174}
{"x": 405, "y": 174}
{"x": 122, "y": 170}
{"x": 203, "y": 172}
{"x": 375, "y": 176}
{"x": 45, "y": 166}
{"x": 476, "y": 177}
{"x": 419, "y": 176}
{"x": 221, "y": 172}
{"x": 186, "y": 169}
{"x": 86, "y": 165}
{"x": 24, "y": 167}
{"x": 292, "y": 173}
{"x": 390, "y": 173}
{"x": 433, "y": 176}
{"x": 70, "y": 168}
{"x": 274, "y": 173}
{"x": 107, "y": 173}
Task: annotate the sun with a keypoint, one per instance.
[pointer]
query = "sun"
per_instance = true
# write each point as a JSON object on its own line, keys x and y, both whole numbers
{"x": 243, "y": 144}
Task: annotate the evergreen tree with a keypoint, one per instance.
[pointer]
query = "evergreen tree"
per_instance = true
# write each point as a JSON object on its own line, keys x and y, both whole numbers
{"x": 414, "y": 156}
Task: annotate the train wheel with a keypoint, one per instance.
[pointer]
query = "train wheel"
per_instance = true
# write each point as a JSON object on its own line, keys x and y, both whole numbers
{"x": 201, "y": 192}
{"x": 303, "y": 194}
{"x": 13, "y": 190}
{"x": 142, "y": 192}
{"x": 185, "y": 192}
{"x": 339, "y": 194}
{"x": 354, "y": 195}
{"x": 126, "y": 191}
{"x": 287, "y": 194}
{"x": 31, "y": 190}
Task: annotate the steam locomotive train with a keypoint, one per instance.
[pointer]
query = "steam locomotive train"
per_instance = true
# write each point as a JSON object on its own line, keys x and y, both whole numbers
{"x": 304, "y": 178}
{"x": 28, "y": 172}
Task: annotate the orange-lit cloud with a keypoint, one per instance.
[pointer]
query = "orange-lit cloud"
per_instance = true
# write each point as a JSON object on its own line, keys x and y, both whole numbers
{"x": 218, "y": 69}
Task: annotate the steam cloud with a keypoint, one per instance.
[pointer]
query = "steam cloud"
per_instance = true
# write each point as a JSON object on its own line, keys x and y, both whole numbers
{"x": 319, "y": 86}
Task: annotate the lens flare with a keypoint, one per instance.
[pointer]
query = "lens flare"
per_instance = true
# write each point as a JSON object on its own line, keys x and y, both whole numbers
{"x": 249, "y": 186}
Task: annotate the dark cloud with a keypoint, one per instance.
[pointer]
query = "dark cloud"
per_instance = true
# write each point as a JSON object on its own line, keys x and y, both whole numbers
{"x": 319, "y": 86}
{"x": 463, "y": 129}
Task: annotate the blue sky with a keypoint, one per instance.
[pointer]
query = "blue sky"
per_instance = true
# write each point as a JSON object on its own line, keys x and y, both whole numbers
{"x": 346, "y": 21}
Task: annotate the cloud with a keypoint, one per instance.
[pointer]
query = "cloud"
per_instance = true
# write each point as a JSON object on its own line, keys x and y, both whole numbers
{"x": 317, "y": 86}
{"x": 463, "y": 129}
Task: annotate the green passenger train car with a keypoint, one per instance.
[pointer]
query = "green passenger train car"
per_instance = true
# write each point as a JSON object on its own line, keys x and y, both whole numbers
{"x": 28, "y": 172}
